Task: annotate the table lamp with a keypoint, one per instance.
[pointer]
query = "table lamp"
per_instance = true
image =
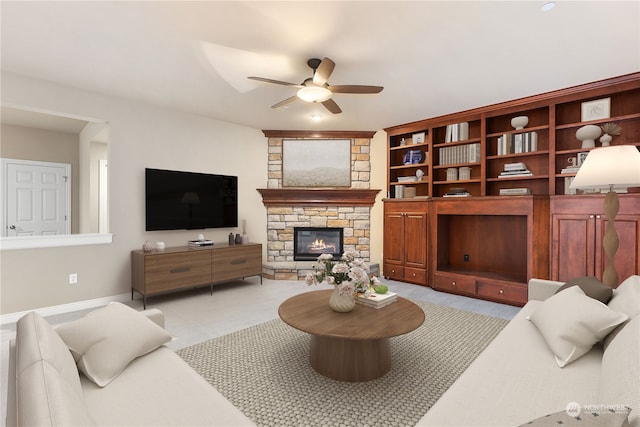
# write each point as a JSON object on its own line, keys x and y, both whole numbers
{"x": 614, "y": 169}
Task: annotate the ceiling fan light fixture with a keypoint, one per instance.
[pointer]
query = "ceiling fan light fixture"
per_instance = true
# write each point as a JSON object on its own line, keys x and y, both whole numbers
{"x": 314, "y": 94}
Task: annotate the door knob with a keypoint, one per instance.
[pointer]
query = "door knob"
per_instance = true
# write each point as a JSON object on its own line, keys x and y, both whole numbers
{"x": 12, "y": 227}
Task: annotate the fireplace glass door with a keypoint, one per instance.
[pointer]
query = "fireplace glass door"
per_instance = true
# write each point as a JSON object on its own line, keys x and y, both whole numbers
{"x": 310, "y": 242}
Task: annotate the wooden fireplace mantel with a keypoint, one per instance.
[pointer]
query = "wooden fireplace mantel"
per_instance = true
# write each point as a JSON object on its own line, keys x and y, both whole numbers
{"x": 318, "y": 197}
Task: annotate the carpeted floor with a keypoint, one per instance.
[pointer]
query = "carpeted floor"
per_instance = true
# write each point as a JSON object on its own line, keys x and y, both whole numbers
{"x": 264, "y": 371}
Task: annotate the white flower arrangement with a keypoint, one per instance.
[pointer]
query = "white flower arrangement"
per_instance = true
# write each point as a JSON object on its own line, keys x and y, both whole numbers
{"x": 349, "y": 274}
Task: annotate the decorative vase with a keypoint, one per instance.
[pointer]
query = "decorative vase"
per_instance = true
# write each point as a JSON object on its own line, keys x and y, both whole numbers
{"x": 588, "y": 134}
{"x": 605, "y": 140}
{"x": 231, "y": 240}
{"x": 146, "y": 247}
{"x": 245, "y": 238}
{"x": 341, "y": 303}
{"x": 519, "y": 122}
{"x": 238, "y": 239}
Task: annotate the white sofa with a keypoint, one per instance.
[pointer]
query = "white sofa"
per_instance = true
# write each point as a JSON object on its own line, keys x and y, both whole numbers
{"x": 156, "y": 388}
{"x": 517, "y": 380}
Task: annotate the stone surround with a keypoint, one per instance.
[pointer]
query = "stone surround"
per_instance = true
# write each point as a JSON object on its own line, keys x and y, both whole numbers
{"x": 281, "y": 219}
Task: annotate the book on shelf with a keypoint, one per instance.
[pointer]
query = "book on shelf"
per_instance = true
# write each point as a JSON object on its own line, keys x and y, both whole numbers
{"x": 514, "y": 169}
{"x": 514, "y": 174}
{"x": 571, "y": 169}
{"x": 515, "y": 191}
{"x": 514, "y": 166}
{"x": 377, "y": 300}
{"x": 467, "y": 153}
{"x": 457, "y": 192}
{"x": 457, "y": 132}
{"x": 517, "y": 143}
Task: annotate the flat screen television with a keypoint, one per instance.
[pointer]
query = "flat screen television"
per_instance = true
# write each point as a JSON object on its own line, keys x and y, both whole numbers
{"x": 176, "y": 200}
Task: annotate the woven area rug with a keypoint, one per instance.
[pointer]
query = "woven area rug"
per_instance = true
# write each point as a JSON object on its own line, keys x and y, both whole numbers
{"x": 264, "y": 371}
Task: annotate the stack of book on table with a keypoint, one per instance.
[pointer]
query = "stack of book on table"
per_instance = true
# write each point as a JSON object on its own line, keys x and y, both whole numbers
{"x": 515, "y": 169}
{"x": 375, "y": 300}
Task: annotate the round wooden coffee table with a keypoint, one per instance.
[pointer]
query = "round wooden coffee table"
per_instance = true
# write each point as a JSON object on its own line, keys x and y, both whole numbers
{"x": 350, "y": 346}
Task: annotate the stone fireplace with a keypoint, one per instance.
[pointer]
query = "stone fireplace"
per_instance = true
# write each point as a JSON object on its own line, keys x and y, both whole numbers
{"x": 288, "y": 209}
{"x": 310, "y": 242}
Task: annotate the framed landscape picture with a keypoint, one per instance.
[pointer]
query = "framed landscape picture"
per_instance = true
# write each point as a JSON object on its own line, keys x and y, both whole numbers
{"x": 316, "y": 163}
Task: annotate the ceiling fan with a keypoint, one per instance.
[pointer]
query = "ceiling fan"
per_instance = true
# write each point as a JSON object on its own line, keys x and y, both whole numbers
{"x": 317, "y": 89}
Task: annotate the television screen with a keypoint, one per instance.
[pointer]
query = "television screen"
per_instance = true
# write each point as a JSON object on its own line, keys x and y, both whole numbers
{"x": 187, "y": 200}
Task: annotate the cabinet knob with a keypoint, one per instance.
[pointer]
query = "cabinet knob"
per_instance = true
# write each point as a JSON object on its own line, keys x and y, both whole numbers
{"x": 414, "y": 274}
{"x": 393, "y": 270}
{"x": 501, "y": 292}
{"x": 453, "y": 283}
{"x": 591, "y": 216}
{"x": 598, "y": 216}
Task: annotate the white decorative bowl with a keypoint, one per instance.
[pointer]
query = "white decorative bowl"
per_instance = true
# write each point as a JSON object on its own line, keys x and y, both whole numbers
{"x": 519, "y": 122}
{"x": 588, "y": 134}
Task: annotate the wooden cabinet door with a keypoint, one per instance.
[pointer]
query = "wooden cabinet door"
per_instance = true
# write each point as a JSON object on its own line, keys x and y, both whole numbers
{"x": 627, "y": 258}
{"x": 415, "y": 238}
{"x": 572, "y": 246}
{"x": 394, "y": 238}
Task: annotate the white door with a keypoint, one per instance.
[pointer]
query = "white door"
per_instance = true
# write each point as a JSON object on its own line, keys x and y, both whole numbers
{"x": 36, "y": 198}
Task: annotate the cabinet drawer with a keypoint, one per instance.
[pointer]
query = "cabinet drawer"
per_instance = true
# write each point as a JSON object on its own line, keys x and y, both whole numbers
{"x": 237, "y": 262}
{"x": 393, "y": 271}
{"x": 416, "y": 275}
{"x": 461, "y": 284}
{"x": 513, "y": 294}
{"x": 164, "y": 272}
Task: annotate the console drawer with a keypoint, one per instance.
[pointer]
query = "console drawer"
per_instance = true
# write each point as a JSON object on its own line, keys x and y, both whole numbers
{"x": 459, "y": 284}
{"x": 164, "y": 272}
{"x": 236, "y": 262}
{"x": 513, "y": 294}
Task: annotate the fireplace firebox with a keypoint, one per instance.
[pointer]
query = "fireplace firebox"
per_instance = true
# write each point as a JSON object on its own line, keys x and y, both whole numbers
{"x": 310, "y": 242}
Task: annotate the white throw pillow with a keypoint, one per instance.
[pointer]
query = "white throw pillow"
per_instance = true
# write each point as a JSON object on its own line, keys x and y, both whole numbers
{"x": 571, "y": 323}
{"x": 106, "y": 340}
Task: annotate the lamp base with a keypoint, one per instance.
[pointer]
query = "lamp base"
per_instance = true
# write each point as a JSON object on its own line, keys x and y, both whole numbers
{"x": 610, "y": 240}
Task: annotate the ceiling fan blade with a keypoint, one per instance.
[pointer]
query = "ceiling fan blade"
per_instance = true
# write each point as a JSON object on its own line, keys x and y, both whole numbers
{"x": 331, "y": 105}
{"x": 323, "y": 72}
{"x": 285, "y": 102}
{"x": 278, "y": 82}
{"x": 357, "y": 89}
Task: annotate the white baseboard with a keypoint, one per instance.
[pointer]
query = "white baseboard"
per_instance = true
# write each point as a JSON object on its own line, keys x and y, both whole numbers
{"x": 65, "y": 308}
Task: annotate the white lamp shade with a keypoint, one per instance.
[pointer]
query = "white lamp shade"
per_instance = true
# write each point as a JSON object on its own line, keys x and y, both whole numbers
{"x": 615, "y": 167}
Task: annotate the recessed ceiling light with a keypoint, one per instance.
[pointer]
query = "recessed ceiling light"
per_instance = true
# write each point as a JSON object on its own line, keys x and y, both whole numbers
{"x": 548, "y": 6}
{"x": 316, "y": 117}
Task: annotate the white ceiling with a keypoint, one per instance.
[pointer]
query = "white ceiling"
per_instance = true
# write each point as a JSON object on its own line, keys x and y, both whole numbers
{"x": 432, "y": 57}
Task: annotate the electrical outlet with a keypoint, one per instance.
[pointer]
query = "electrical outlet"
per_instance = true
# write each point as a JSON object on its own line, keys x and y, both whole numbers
{"x": 466, "y": 257}
{"x": 73, "y": 278}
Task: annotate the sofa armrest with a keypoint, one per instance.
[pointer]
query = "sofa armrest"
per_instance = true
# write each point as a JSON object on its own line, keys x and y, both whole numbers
{"x": 156, "y": 315}
{"x": 541, "y": 289}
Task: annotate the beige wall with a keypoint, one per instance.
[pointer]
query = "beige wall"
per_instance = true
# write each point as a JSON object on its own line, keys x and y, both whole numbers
{"x": 25, "y": 143}
{"x": 378, "y": 181}
{"x": 142, "y": 136}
